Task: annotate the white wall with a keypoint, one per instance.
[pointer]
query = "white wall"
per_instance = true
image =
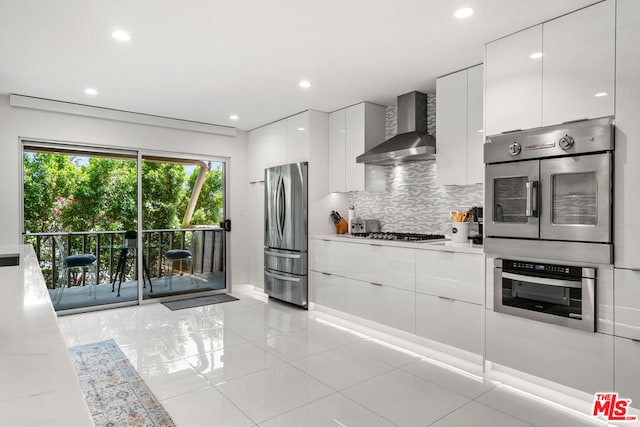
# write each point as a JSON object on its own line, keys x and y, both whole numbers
{"x": 18, "y": 123}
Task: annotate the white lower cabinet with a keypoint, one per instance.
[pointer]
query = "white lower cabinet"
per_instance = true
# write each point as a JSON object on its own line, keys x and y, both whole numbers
{"x": 328, "y": 290}
{"x": 382, "y": 304}
{"x": 627, "y": 304}
{"x": 448, "y": 274}
{"x": 627, "y": 370}
{"x": 327, "y": 256}
{"x": 451, "y": 322}
{"x": 578, "y": 359}
{"x": 385, "y": 265}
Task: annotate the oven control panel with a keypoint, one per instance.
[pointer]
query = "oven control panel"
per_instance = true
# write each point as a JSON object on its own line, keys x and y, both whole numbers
{"x": 535, "y": 267}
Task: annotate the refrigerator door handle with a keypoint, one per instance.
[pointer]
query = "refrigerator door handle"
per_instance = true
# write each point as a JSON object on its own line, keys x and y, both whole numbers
{"x": 282, "y": 255}
{"x": 285, "y": 278}
{"x": 283, "y": 207}
{"x": 278, "y": 207}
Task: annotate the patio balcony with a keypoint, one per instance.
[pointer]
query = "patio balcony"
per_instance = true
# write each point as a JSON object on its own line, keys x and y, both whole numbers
{"x": 204, "y": 272}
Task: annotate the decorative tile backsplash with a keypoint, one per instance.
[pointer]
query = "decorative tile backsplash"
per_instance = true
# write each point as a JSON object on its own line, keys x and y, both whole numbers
{"x": 413, "y": 202}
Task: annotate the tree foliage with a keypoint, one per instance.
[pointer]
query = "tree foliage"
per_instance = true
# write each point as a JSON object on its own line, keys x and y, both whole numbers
{"x": 67, "y": 193}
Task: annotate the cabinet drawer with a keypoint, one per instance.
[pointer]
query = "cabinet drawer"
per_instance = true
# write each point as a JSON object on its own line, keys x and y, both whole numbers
{"x": 382, "y": 264}
{"x": 627, "y": 303}
{"x": 328, "y": 290}
{"x": 453, "y": 275}
{"x": 451, "y": 322}
{"x": 627, "y": 370}
{"x": 382, "y": 304}
{"x": 328, "y": 256}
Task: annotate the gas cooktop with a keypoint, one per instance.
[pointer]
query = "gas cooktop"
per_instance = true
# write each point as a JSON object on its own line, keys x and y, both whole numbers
{"x": 408, "y": 237}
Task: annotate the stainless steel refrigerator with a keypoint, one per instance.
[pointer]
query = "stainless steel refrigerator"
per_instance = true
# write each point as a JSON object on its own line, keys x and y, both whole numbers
{"x": 286, "y": 233}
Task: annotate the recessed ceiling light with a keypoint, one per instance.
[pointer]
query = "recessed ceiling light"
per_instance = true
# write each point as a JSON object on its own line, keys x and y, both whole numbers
{"x": 599, "y": 94}
{"x": 464, "y": 12}
{"x": 480, "y": 130}
{"x": 90, "y": 91}
{"x": 121, "y": 35}
{"x": 305, "y": 84}
{"x": 234, "y": 117}
{"x": 536, "y": 55}
{"x": 300, "y": 129}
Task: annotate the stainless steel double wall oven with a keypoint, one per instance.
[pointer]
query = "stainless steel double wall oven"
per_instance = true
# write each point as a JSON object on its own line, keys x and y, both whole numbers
{"x": 549, "y": 196}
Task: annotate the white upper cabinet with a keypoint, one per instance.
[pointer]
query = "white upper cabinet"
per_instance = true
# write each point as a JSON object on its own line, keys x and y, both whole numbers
{"x": 277, "y": 143}
{"x": 627, "y": 153}
{"x": 475, "y": 120}
{"x": 363, "y": 128}
{"x": 257, "y": 155}
{"x": 451, "y": 117}
{"x": 560, "y": 71}
{"x": 337, "y": 141}
{"x": 298, "y": 138}
{"x": 514, "y": 82}
{"x": 459, "y": 118}
{"x": 578, "y": 66}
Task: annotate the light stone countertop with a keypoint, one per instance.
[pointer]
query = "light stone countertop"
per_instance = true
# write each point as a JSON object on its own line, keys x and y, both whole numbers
{"x": 38, "y": 384}
{"x": 447, "y": 246}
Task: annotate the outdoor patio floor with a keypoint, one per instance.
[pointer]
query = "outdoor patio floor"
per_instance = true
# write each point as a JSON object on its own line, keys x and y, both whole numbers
{"x": 80, "y": 296}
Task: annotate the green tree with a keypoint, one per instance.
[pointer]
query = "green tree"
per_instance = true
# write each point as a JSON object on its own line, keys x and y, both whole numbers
{"x": 209, "y": 207}
{"x": 162, "y": 193}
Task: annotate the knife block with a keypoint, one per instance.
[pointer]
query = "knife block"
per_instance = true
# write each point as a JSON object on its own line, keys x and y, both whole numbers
{"x": 342, "y": 227}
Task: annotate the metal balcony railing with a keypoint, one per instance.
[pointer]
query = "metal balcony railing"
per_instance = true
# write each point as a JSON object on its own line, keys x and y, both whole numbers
{"x": 208, "y": 250}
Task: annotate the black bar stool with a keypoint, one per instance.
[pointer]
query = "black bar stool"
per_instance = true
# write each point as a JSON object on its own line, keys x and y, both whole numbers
{"x": 130, "y": 242}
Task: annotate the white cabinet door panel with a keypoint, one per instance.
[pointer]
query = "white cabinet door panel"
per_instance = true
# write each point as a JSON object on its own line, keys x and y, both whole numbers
{"x": 578, "y": 64}
{"x": 451, "y": 161}
{"x": 257, "y": 154}
{"x": 627, "y": 303}
{"x": 328, "y": 256}
{"x": 514, "y": 82}
{"x": 448, "y": 274}
{"x": 355, "y": 124}
{"x": 627, "y": 370}
{"x": 328, "y": 290}
{"x": 298, "y": 138}
{"x": 277, "y": 143}
{"x": 627, "y": 153}
{"x": 383, "y": 304}
{"x": 337, "y": 150}
{"x": 382, "y": 264}
{"x": 455, "y": 323}
{"x": 578, "y": 359}
{"x": 475, "y": 120}
{"x": 256, "y": 231}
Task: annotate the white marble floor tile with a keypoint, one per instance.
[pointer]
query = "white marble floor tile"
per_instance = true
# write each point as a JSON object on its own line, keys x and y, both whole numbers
{"x": 341, "y": 367}
{"x": 462, "y": 378}
{"x": 232, "y": 362}
{"x": 536, "y": 410}
{"x": 388, "y": 353}
{"x": 337, "y": 332}
{"x": 405, "y": 399}
{"x": 272, "y": 392}
{"x": 205, "y": 407}
{"x": 296, "y": 345}
{"x": 334, "y": 410}
{"x": 202, "y": 342}
{"x": 255, "y": 330}
{"x": 476, "y": 414}
{"x": 171, "y": 379}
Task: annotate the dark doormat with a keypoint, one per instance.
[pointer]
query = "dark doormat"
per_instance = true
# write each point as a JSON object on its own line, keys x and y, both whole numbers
{"x": 159, "y": 294}
{"x": 198, "y": 302}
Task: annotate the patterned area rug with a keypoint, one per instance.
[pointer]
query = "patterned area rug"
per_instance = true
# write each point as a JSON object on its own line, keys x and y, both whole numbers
{"x": 115, "y": 393}
{"x": 198, "y": 302}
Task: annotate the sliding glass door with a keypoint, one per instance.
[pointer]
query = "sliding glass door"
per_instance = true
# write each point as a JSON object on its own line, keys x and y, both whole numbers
{"x": 80, "y": 208}
{"x": 183, "y": 204}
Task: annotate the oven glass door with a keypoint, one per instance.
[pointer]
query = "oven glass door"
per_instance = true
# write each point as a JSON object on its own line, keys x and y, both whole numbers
{"x": 576, "y": 198}
{"x": 512, "y": 206}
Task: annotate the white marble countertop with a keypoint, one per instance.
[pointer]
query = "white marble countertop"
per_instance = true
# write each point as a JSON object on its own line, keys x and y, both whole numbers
{"x": 38, "y": 385}
{"x": 447, "y": 246}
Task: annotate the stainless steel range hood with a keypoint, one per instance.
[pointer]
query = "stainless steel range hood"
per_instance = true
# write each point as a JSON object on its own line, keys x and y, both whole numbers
{"x": 412, "y": 143}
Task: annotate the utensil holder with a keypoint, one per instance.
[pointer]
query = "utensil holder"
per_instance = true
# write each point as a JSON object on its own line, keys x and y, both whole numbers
{"x": 342, "y": 227}
{"x": 460, "y": 232}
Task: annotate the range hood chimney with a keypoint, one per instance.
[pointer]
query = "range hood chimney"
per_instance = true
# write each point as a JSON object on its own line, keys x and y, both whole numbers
{"x": 412, "y": 143}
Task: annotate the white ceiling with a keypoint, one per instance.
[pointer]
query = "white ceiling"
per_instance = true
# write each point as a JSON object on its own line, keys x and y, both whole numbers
{"x": 203, "y": 60}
